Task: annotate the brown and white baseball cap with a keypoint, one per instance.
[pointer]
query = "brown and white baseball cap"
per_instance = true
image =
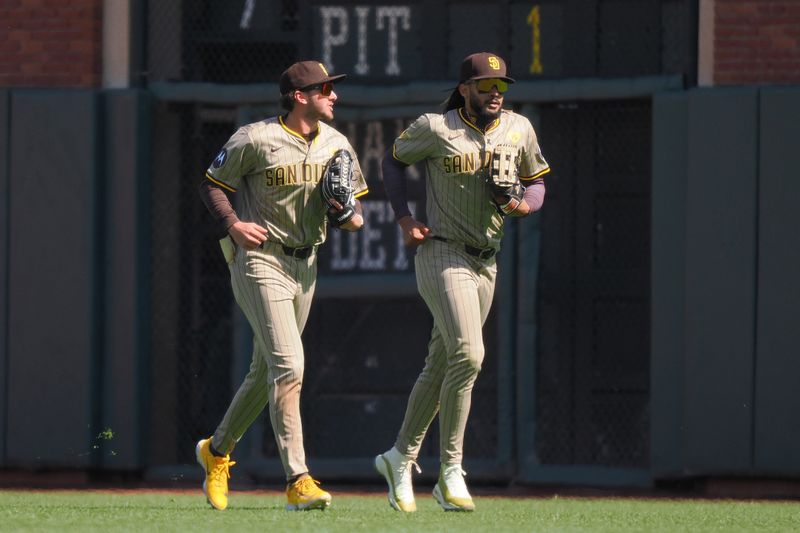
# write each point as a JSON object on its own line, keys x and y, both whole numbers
{"x": 483, "y": 65}
{"x": 304, "y": 74}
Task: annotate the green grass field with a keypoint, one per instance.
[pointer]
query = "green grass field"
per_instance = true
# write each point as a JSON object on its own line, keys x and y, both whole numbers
{"x": 249, "y": 511}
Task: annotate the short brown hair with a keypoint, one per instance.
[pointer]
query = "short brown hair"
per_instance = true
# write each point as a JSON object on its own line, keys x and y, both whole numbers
{"x": 287, "y": 101}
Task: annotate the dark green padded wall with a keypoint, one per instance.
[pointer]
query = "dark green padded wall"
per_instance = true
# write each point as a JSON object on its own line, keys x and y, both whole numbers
{"x": 51, "y": 278}
{"x": 777, "y": 427}
{"x": 668, "y": 335}
{"x": 4, "y": 207}
{"x": 125, "y": 176}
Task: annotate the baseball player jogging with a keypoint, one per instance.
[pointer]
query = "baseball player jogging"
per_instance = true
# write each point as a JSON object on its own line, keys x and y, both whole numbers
{"x": 475, "y": 153}
{"x": 296, "y": 176}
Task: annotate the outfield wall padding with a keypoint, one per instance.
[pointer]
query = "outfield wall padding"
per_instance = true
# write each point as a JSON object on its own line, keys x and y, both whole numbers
{"x": 777, "y": 424}
{"x": 726, "y": 252}
{"x": 125, "y": 362}
{"x": 668, "y": 301}
{"x": 720, "y": 278}
{"x": 4, "y": 207}
{"x": 52, "y": 246}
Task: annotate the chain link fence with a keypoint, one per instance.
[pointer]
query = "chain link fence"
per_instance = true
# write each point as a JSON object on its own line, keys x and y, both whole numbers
{"x": 593, "y": 355}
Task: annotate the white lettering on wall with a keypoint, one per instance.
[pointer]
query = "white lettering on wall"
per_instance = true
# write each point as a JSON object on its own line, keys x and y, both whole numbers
{"x": 373, "y": 257}
{"x": 377, "y": 247}
{"x": 373, "y": 149}
{"x": 390, "y": 19}
{"x": 400, "y": 258}
{"x": 330, "y": 39}
{"x": 342, "y": 259}
{"x": 362, "y": 67}
{"x": 392, "y": 14}
{"x": 247, "y": 14}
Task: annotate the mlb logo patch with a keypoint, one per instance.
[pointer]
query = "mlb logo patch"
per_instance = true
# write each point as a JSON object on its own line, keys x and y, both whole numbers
{"x": 222, "y": 156}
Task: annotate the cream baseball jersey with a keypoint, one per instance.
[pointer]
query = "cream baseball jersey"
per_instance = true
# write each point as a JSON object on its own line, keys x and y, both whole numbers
{"x": 278, "y": 171}
{"x": 457, "y": 155}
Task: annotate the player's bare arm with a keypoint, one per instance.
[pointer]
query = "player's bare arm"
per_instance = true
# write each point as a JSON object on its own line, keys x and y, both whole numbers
{"x": 248, "y": 235}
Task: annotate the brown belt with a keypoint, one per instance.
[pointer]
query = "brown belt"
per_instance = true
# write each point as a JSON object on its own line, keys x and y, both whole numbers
{"x": 480, "y": 253}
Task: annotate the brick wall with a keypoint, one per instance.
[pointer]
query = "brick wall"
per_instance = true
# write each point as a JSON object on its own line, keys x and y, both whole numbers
{"x": 756, "y": 41}
{"x": 50, "y": 43}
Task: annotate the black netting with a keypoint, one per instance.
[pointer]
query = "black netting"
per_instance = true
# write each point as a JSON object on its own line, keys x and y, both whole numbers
{"x": 221, "y": 42}
{"x": 192, "y": 324}
{"x": 593, "y": 354}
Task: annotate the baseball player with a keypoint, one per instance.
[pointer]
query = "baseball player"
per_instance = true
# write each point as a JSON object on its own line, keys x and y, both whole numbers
{"x": 455, "y": 259}
{"x": 275, "y": 166}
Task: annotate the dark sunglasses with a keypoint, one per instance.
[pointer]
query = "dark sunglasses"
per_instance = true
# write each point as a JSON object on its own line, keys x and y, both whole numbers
{"x": 325, "y": 89}
{"x": 485, "y": 86}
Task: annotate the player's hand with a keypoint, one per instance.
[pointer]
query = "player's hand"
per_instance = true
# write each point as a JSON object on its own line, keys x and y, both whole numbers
{"x": 248, "y": 235}
{"x": 414, "y": 232}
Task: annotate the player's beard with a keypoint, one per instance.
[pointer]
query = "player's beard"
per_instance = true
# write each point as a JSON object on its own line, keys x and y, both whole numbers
{"x": 483, "y": 116}
{"x": 323, "y": 114}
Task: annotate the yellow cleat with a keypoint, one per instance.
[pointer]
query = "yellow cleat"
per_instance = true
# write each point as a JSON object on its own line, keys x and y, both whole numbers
{"x": 304, "y": 494}
{"x": 451, "y": 492}
{"x": 217, "y": 471}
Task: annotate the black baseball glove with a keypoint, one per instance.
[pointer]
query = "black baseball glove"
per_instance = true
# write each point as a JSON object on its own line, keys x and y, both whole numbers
{"x": 503, "y": 179}
{"x": 336, "y": 187}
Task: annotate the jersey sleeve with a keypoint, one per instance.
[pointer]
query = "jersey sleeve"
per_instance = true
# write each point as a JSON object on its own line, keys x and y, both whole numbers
{"x": 532, "y": 162}
{"x": 416, "y": 143}
{"x": 234, "y": 161}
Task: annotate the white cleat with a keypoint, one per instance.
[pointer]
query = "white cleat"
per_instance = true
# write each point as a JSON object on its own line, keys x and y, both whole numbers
{"x": 396, "y": 469}
{"x": 451, "y": 491}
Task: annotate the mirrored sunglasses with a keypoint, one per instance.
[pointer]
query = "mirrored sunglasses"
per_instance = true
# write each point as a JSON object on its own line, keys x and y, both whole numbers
{"x": 485, "y": 86}
{"x": 325, "y": 89}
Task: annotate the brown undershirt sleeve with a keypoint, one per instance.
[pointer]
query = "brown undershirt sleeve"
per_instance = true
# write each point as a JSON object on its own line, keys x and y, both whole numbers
{"x": 219, "y": 206}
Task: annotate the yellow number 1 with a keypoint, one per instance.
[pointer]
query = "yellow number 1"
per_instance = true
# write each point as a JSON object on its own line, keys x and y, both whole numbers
{"x": 534, "y": 19}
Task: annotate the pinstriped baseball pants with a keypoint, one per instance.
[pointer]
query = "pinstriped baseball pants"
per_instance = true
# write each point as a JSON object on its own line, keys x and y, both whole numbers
{"x": 458, "y": 290}
{"x": 274, "y": 292}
